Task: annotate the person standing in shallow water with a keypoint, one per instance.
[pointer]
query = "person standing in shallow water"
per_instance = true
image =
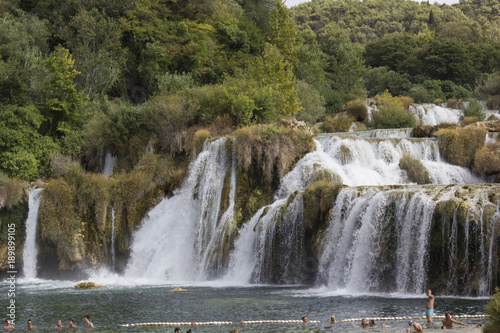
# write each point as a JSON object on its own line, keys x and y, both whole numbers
{"x": 429, "y": 307}
{"x": 87, "y": 322}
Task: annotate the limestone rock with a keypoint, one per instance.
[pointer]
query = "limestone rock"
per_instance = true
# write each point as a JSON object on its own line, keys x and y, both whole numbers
{"x": 87, "y": 285}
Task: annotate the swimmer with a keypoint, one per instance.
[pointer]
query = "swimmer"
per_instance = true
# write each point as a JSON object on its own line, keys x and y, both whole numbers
{"x": 30, "y": 324}
{"x": 305, "y": 320}
{"x": 72, "y": 324}
{"x": 8, "y": 325}
{"x": 417, "y": 327}
{"x": 383, "y": 325}
{"x": 479, "y": 325}
{"x": 177, "y": 330}
{"x": 429, "y": 307}
{"x": 448, "y": 321}
{"x": 364, "y": 323}
{"x": 332, "y": 320}
{"x": 59, "y": 324}
{"x": 87, "y": 322}
{"x": 372, "y": 323}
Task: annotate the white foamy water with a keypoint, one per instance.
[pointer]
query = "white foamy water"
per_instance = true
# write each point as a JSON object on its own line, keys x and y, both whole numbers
{"x": 175, "y": 241}
{"x": 432, "y": 114}
{"x": 30, "y": 251}
{"x": 109, "y": 165}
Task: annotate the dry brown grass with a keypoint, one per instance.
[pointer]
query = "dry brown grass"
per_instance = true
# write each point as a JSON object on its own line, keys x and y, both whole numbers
{"x": 11, "y": 191}
{"x": 469, "y": 120}
{"x": 270, "y": 150}
{"x": 357, "y": 109}
{"x": 407, "y": 101}
{"x": 487, "y": 159}
{"x": 459, "y": 145}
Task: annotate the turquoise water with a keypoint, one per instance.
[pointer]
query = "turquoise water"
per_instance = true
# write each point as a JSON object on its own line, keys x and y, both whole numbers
{"x": 46, "y": 302}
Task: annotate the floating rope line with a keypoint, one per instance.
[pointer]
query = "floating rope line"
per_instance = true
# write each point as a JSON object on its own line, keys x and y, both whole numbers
{"x": 249, "y": 322}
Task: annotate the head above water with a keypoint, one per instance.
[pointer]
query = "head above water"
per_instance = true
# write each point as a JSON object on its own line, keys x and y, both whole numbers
{"x": 410, "y": 322}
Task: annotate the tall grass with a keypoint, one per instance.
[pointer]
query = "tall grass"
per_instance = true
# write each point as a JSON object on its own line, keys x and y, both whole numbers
{"x": 415, "y": 170}
{"x": 459, "y": 145}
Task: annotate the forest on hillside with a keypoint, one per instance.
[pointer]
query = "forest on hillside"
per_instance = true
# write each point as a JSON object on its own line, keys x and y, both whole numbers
{"x": 79, "y": 79}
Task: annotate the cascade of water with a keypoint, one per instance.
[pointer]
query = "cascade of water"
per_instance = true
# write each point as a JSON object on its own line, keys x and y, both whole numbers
{"x": 372, "y": 162}
{"x": 177, "y": 233}
{"x": 30, "y": 251}
{"x": 109, "y": 164}
{"x": 375, "y": 229}
{"x": 113, "y": 238}
{"x": 431, "y": 114}
{"x": 394, "y": 133}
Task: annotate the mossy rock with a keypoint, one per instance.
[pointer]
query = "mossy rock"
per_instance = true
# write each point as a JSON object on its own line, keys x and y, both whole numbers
{"x": 87, "y": 285}
{"x": 178, "y": 289}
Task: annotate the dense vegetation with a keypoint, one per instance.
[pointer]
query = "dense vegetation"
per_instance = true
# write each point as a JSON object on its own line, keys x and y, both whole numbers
{"x": 84, "y": 78}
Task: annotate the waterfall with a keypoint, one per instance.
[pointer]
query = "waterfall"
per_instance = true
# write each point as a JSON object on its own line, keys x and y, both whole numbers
{"x": 113, "y": 246}
{"x": 30, "y": 251}
{"x": 399, "y": 133}
{"x": 177, "y": 240}
{"x": 431, "y": 114}
{"x": 109, "y": 164}
{"x": 378, "y": 240}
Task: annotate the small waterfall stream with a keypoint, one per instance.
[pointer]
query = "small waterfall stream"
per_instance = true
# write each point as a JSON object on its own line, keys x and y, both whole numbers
{"x": 113, "y": 239}
{"x": 30, "y": 251}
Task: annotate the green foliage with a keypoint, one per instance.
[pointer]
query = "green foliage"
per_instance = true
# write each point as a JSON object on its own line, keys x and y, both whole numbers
{"x": 23, "y": 151}
{"x": 281, "y": 32}
{"x": 474, "y": 109}
{"x": 420, "y": 94}
{"x": 393, "y": 116}
{"x": 357, "y": 109}
{"x": 379, "y": 79}
{"x": 95, "y": 41}
{"x": 493, "y": 310}
{"x": 169, "y": 83}
{"x": 415, "y": 170}
{"x": 311, "y": 101}
{"x": 62, "y": 100}
{"x": 342, "y": 123}
{"x": 459, "y": 145}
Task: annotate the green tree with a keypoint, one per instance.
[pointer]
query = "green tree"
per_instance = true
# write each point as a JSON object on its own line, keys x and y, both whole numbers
{"x": 62, "y": 99}
{"x": 23, "y": 151}
{"x": 99, "y": 56}
{"x": 281, "y": 32}
{"x": 275, "y": 77}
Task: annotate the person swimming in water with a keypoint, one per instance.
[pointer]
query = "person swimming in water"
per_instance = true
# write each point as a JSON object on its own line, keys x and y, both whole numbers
{"x": 448, "y": 321}
{"x": 417, "y": 327}
{"x": 87, "y": 322}
{"x": 8, "y": 325}
{"x": 72, "y": 324}
{"x": 364, "y": 323}
{"x": 30, "y": 324}
{"x": 59, "y": 324}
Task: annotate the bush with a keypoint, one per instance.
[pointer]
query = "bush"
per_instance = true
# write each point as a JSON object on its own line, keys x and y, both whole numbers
{"x": 420, "y": 94}
{"x": 487, "y": 159}
{"x": 170, "y": 83}
{"x": 493, "y": 310}
{"x": 357, "y": 109}
{"x": 407, "y": 101}
{"x": 474, "y": 109}
{"x": 459, "y": 145}
{"x": 415, "y": 170}
{"x": 199, "y": 140}
{"x": 454, "y": 103}
{"x": 342, "y": 123}
{"x": 313, "y": 104}
{"x": 469, "y": 120}
{"x": 269, "y": 151}
{"x": 493, "y": 102}
{"x": 387, "y": 99}
{"x": 11, "y": 191}
{"x": 393, "y": 116}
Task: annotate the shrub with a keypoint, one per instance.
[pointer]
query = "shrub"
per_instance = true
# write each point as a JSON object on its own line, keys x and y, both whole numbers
{"x": 170, "y": 83}
{"x": 393, "y": 116}
{"x": 487, "y": 159}
{"x": 199, "y": 140}
{"x": 454, "y": 103}
{"x": 474, "y": 109}
{"x": 420, "y": 94}
{"x": 269, "y": 151}
{"x": 415, "y": 170}
{"x": 438, "y": 101}
{"x": 387, "y": 99}
{"x": 313, "y": 104}
{"x": 407, "y": 101}
{"x": 493, "y": 310}
{"x": 459, "y": 145}
{"x": 11, "y": 191}
{"x": 342, "y": 123}
{"x": 493, "y": 102}
{"x": 357, "y": 109}
{"x": 469, "y": 120}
